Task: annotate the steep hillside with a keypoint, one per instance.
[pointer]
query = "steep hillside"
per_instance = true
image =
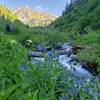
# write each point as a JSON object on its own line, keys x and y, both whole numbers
{"x": 78, "y": 16}
{"x": 6, "y": 16}
{"x": 80, "y": 23}
{"x": 31, "y": 17}
{"x": 5, "y": 12}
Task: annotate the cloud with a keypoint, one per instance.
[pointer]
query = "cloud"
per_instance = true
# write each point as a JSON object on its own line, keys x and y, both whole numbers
{"x": 41, "y": 8}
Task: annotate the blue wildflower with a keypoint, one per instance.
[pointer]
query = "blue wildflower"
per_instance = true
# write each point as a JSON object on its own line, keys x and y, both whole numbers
{"x": 49, "y": 62}
{"x": 50, "y": 54}
{"x": 78, "y": 82}
{"x": 23, "y": 68}
{"x": 70, "y": 90}
{"x": 40, "y": 48}
{"x": 63, "y": 97}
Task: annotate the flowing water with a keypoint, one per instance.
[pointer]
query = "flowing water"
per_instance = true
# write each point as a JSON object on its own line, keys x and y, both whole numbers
{"x": 68, "y": 63}
{"x": 73, "y": 73}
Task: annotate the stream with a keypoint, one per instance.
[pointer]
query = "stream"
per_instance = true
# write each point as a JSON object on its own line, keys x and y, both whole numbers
{"x": 66, "y": 61}
{"x": 72, "y": 72}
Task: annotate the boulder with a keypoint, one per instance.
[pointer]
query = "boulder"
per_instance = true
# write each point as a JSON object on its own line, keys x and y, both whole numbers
{"x": 34, "y": 54}
{"x": 90, "y": 66}
{"x": 28, "y": 43}
{"x": 57, "y": 46}
{"x": 66, "y": 46}
{"x": 8, "y": 27}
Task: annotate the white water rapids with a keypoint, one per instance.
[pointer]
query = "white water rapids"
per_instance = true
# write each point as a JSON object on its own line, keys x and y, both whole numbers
{"x": 67, "y": 62}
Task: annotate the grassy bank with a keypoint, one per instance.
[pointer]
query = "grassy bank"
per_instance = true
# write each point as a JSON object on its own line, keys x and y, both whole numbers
{"x": 20, "y": 80}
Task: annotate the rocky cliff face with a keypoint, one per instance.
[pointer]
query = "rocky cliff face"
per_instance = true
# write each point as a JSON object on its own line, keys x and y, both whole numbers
{"x": 33, "y": 18}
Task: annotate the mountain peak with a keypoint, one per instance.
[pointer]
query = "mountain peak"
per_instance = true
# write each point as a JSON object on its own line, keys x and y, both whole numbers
{"x": 33, "y": 17}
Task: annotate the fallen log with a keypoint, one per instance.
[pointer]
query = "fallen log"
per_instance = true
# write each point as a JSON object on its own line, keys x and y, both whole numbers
{"x": 75, "y": 49}
{"x": 90, "y": 66}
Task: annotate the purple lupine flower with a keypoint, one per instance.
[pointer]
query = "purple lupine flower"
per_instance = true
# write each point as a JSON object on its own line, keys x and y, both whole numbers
{"x": 23, "y": 68}
{"x": 50, "y": 54}
{"x": 70, "y": 90}
{"x": 49, "y": 62}
{"x": 40, "y": 48}
{"x": 79, "y": 82}
{"x": 63, "y": 97}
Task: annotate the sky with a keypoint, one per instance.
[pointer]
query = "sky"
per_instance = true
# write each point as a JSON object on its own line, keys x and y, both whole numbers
{"x": 54, "y": 7}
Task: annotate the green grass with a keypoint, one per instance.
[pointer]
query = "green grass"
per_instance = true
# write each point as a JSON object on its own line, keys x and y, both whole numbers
{"x": 20, "y": 80}
{"x": 80, "y": 23}
{"x": 37, "y": 82}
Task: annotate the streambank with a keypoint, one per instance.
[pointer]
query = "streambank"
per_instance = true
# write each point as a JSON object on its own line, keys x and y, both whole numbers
{"x": 65, "y": 55}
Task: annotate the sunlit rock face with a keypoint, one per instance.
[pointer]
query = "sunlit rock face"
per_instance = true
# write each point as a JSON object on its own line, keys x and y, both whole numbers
{"x": 33, "y": 17}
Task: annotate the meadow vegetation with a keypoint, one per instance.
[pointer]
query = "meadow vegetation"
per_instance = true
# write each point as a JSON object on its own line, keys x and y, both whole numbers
{"x": 21, "y": 80}
{"x": 80, "y": 22}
